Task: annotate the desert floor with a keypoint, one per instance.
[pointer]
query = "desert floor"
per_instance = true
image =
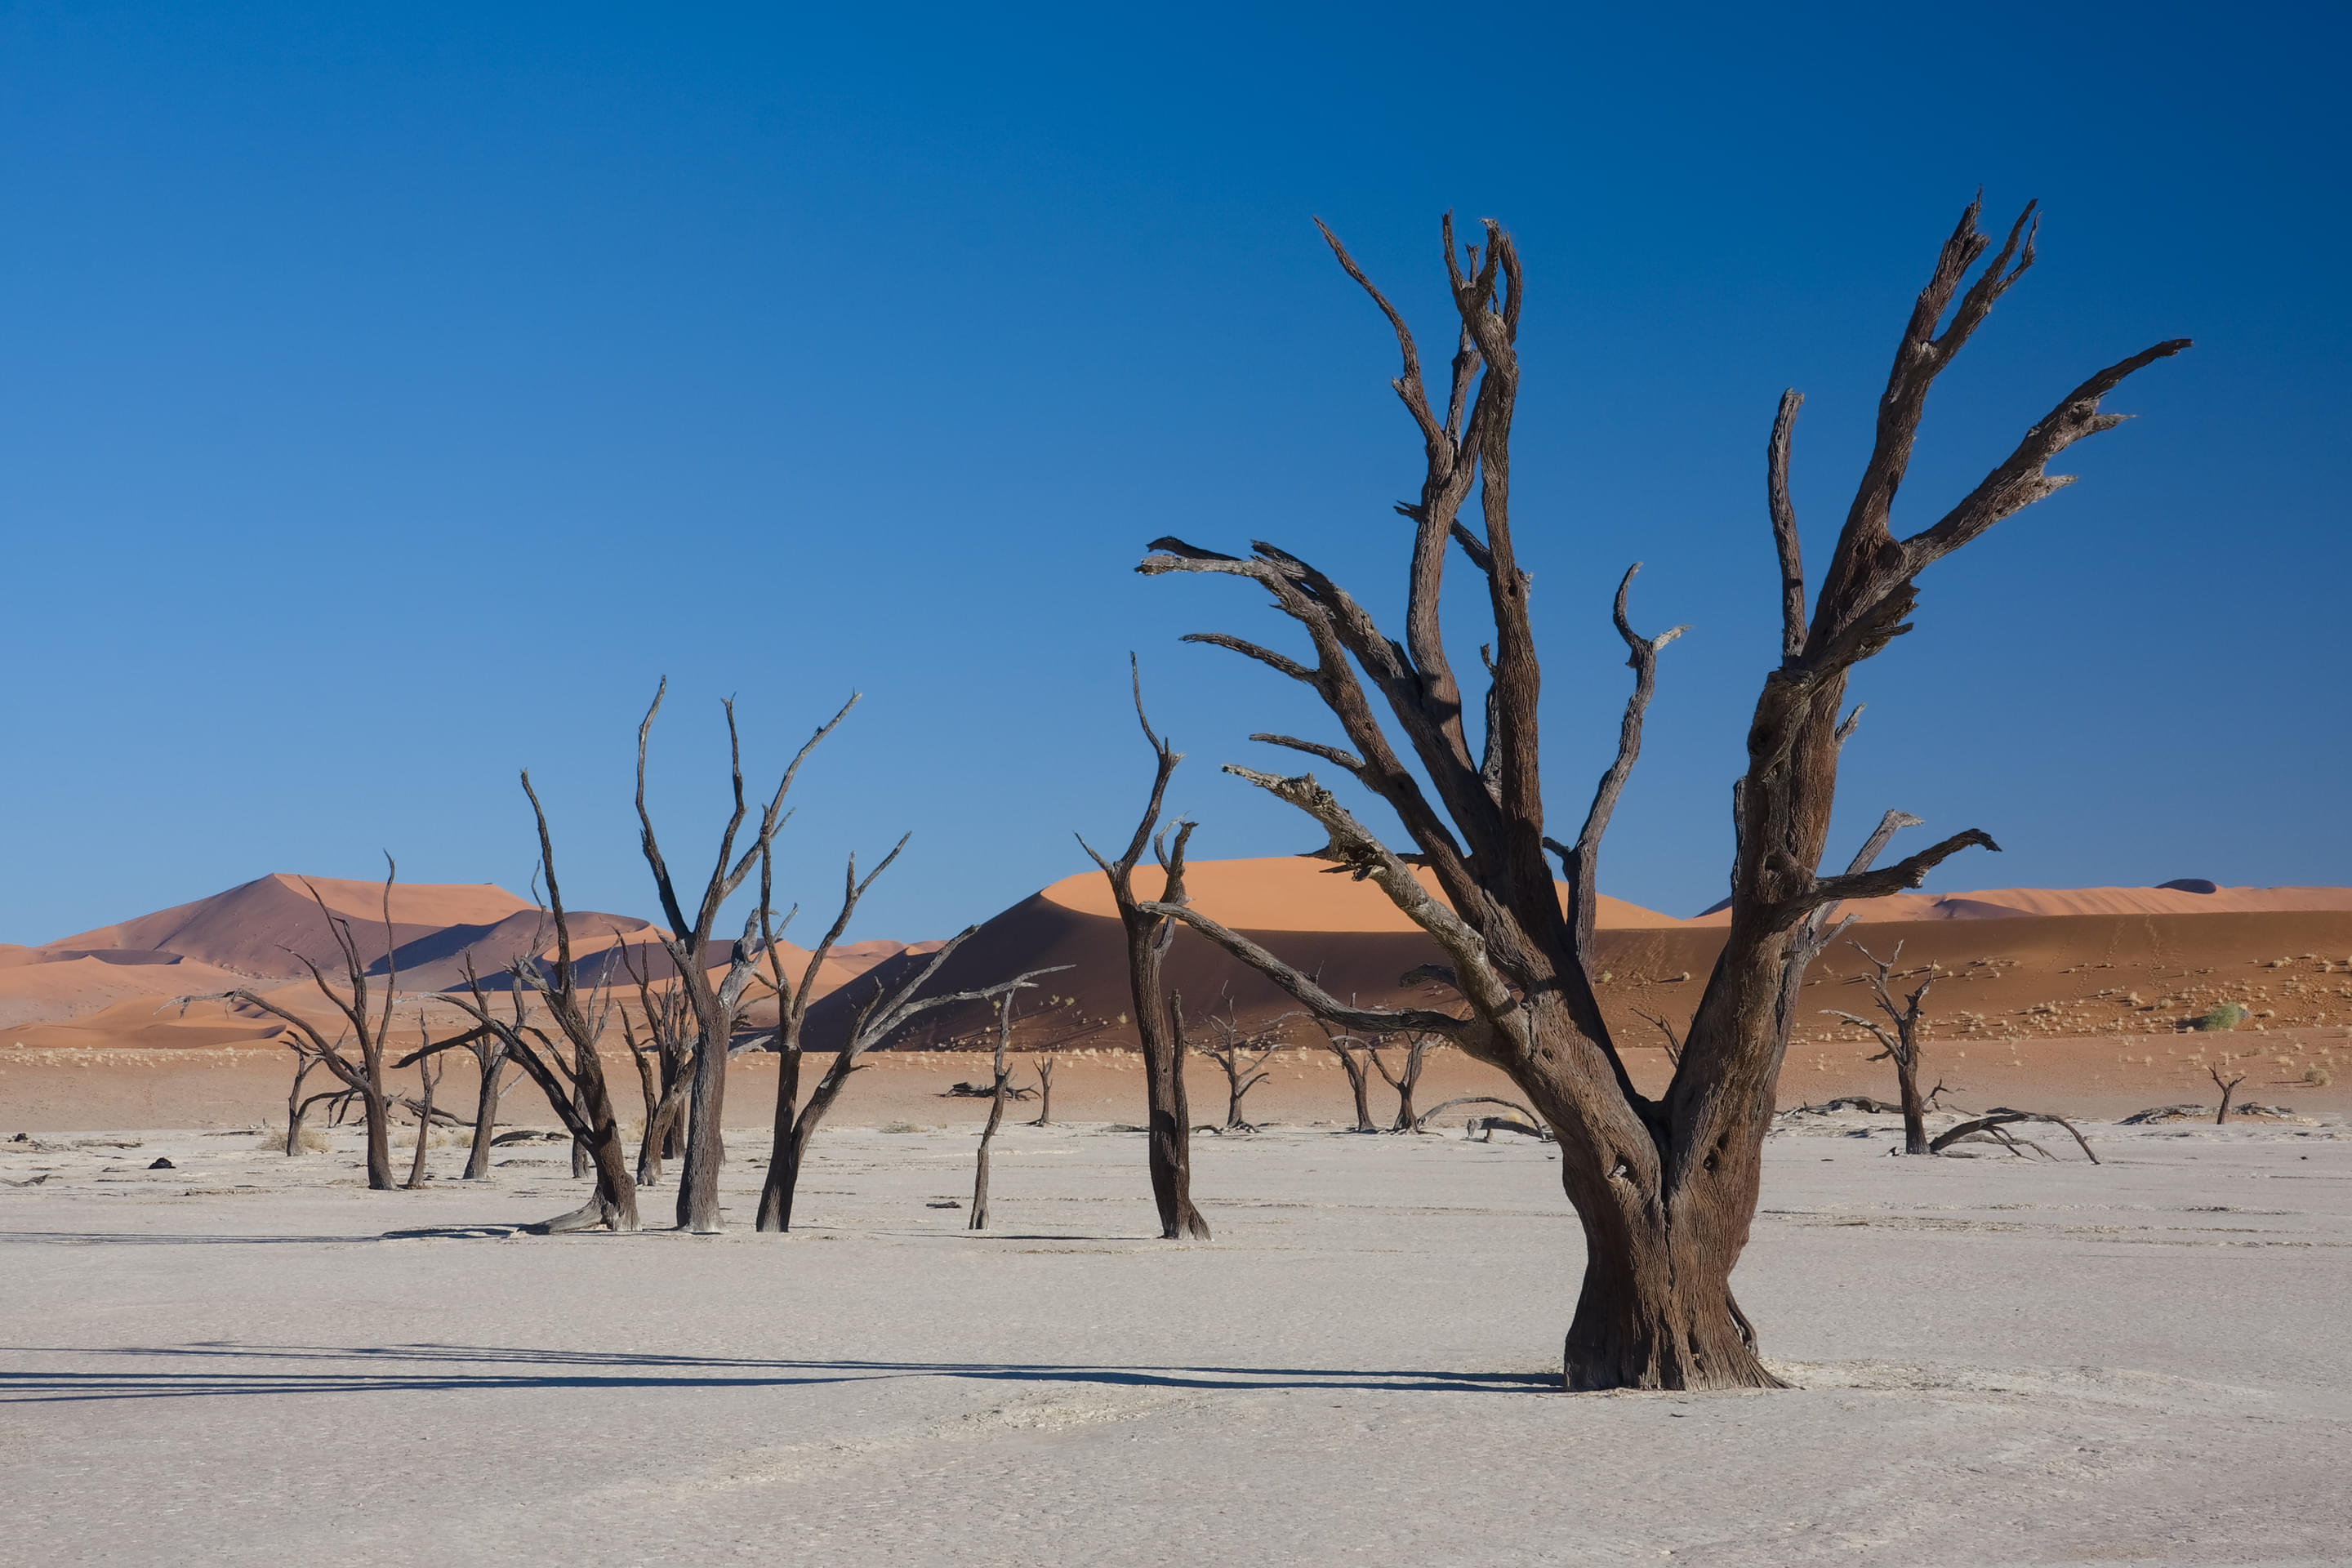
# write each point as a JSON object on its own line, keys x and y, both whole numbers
{"x": 50, "y": 1090}
{"x": 247, "y": 1358}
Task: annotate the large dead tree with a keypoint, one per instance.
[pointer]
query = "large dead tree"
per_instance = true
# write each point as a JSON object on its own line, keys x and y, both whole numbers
{"x": 883, "y": 1014}
{"x": 1664, "y": 1189}
{"x": 717, "y": 1005}
{"x": 1898, "y": 1038}
{"x": 1168, "y": 1120}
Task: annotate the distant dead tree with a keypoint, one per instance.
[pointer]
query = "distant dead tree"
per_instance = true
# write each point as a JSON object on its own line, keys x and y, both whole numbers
{"x": 2228, "y": 1088}
{"x": 1347, "y": 1046}
{"x": 1674, "y": 1041}
{"x": 298, "y": 1108}
{"x": 1664, "y": 1189}
{"x": 428, "y": 1079}
{"x": 871, "y": 1025}
{"x": 718, "y": 1006}
{"x": 1169, "y": 1118}
{"x": 1898, "y": 1039}
{"x": 564, "y": 1064}
{"x": 367, "y": 1026}
{"x": 1230, "y": 1045}
{"x": 1000, "y": 1083}
{"x": 1407, "y": 1077}
{"x": 1044, "y": 1066}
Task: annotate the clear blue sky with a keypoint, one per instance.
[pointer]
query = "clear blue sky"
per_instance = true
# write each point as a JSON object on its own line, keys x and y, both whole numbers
{"x": 392, "y": 394}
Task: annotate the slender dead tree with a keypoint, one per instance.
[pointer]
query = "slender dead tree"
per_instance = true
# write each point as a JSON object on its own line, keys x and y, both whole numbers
{"x": 716, "y": 1006}
{"x": 428, "y": 1079}
{"x": 1168, "y": 1120}
{"x": 883, "y": 1014}
{"x": 1407, "y": 1077}
{"x": 664, "y": 1061}
{"x": 1345, "y": 1046}
{"x": 1664, "y": 1189}
{"x": 1899, "y": 1043}
{"x": 298, "y": 1108}
{"x": 2228, "y": 1088}
{"x": 565, "y": 1065}
{"x": 489, "y": 1052}
{"x": 1044, "y": 1066}
{"x": 1229, "y": 1046}
{"x": 1002, "y": 1081}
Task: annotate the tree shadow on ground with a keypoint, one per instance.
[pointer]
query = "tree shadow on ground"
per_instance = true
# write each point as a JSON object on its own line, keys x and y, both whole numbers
{"x": 244, "y": 1370}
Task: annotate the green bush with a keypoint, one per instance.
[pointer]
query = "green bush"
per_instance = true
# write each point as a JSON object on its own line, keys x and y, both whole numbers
{"x": 2227, "y": 1016}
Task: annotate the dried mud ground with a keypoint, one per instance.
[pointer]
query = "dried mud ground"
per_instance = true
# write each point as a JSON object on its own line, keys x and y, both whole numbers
{"x": 248, "y": 1359}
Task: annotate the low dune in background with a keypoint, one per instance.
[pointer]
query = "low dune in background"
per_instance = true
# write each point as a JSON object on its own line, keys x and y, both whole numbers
{"x": 1290, "y": 892}
{"x": 2052, "y": 964}
{"x": 118, "y": 987}
{"x": 2099, "y": 966}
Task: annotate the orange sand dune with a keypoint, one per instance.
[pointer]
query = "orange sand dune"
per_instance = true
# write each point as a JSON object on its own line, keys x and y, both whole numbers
{"x": 250, "y": 929}
{"x": 1288, "y": 892}
{"x": 54, "y": 993}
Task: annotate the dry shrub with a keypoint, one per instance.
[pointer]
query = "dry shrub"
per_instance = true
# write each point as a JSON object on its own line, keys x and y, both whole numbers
{"x": 905, "y": 1127}
{"x": 2317, "y": 1076}
{"x": 273, "y": 1140}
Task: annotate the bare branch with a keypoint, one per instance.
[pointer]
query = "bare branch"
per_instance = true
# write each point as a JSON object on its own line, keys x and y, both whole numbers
{"x": 1784, "y": 525}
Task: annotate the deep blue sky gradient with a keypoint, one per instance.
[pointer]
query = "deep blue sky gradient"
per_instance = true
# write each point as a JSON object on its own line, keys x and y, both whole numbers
{"x": 392, "y": 394}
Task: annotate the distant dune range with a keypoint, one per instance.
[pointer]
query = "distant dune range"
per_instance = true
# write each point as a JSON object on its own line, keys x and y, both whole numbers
{"x": 2010, "y": 953}
{"x": 111, "y": 987}
{"x": 2021, "y": 962}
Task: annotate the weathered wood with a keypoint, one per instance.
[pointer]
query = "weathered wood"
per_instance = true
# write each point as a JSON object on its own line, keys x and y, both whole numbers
{"x": 1665, "y": 1188}
{"x": 1348, "y": 1047}
{"x": 1168, "y": 1118}
{"x": 716, "y": 1007}
{"x": 1406, "y": 1078}
{"x": 565, "y": 1065}
{"x": 1004, "y": 1077}
{"x": 365, "y": 1025}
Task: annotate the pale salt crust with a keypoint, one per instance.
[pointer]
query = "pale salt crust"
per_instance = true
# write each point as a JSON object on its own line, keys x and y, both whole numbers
{"x": 248, "y": 1359}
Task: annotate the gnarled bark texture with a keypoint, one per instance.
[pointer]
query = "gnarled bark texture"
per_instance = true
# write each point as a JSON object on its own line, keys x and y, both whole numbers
{"x": 1665, "y": 1188}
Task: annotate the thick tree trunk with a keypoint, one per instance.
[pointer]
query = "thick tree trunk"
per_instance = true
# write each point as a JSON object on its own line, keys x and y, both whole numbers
{"x": 377, "y": 1113}
{"x": 1655, "y": 1309}
{"x": 1360, "y": 1086}
{"x": 706, "y": 1152}
{"x": 1915, "y": 1110}
{"x": 1407, "y": 1118}
{"x": 783, "y": 1148}
{"x": 583, "y": 1163}
{"x": 485, "y": 1118}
